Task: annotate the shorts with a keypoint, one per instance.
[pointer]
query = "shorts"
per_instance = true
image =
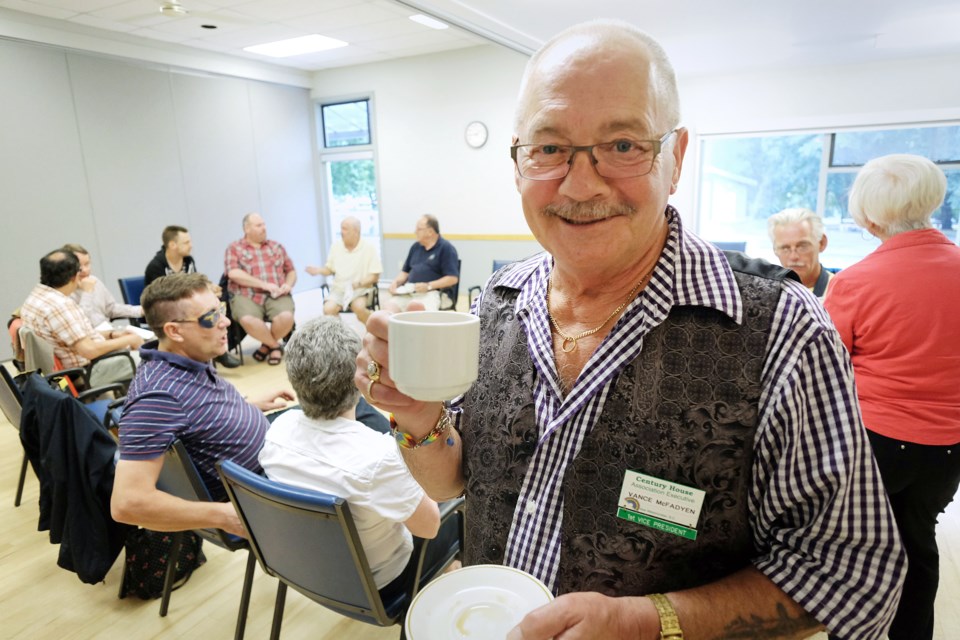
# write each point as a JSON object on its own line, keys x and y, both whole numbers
{"x": 241, "y": 306}
{"x": 339, "y": 296}
{"x": 430, "y": 300}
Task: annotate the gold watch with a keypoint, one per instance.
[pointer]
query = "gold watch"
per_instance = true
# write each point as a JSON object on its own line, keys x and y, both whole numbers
{"x": 669, "y": 623}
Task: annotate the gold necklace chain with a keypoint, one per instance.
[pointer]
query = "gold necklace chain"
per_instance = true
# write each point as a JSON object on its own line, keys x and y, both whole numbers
{"x": 571, "y": 341}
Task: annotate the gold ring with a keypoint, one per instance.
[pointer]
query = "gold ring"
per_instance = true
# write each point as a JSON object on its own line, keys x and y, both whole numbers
{"x": 370, "y": 389}
{"x": 373, "y": 371}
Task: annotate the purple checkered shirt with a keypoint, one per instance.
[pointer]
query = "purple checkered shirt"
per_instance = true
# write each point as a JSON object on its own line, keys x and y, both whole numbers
{"x": 819, "y": 516}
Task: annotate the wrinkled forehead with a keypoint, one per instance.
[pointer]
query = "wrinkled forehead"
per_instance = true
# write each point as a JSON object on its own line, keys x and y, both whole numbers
{"x": 793, "y": 232}
{"x": 577, "y": 75}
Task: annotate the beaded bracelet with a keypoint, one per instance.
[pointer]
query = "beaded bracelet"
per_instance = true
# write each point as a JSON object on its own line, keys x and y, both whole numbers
{"x": 407, "y": 441}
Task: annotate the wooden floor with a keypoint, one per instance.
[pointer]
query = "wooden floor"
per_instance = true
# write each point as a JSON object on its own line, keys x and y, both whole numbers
{"x": 40, "y": 600}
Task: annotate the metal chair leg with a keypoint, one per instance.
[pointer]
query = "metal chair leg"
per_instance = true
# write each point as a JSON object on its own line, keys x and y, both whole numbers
{"x": 171, "y": 576}
{"x": 278, "y": 610}
{"x": 123, "y": 578}
{"x": 245, "y": 596}
{"x": 23, "y": 475}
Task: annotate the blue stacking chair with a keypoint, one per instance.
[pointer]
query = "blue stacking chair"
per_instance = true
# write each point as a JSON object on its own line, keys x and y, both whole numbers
{"x": 131, "y": 289}
{"x": 475, "y": 290}
{"x": 308, "y": 540}
{"x": 179, "y": 477}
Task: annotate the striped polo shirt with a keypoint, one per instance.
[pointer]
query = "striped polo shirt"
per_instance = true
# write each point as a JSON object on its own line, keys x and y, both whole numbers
{"x": 175, "y": 397}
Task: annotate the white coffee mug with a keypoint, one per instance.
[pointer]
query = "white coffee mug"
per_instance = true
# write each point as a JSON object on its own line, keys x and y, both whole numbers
{"x": 434, "y": 354}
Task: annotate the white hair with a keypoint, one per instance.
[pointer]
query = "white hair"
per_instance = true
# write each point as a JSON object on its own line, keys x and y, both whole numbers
{"x": 612, "y": 31}
{"x": 796, "y": 216}
{"x": 897, "y": 193}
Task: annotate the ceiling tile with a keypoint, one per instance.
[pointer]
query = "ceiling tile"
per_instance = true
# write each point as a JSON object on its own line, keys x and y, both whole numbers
{"x": 37, "y": 9}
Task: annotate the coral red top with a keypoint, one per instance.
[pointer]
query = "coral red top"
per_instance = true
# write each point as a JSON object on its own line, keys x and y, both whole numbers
{"x": 898, "y": 313}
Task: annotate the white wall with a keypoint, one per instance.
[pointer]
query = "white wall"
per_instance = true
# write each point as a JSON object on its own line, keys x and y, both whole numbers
{"x": 105, "y": 153}
{"x": 422, "y": 106}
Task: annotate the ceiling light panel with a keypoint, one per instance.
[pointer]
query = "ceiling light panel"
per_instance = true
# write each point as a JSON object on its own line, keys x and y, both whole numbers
{"x": 296, "y": 46}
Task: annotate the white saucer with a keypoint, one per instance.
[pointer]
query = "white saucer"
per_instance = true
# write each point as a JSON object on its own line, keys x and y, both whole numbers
{"x": 482, "y": 602}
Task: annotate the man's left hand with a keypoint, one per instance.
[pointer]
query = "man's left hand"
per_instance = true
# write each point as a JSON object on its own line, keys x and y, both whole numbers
{"x": 421, "y": 287}
{"x": 87, "y": 284}
{"x": 275, "y": 400}
{"x": 589, "y": 616}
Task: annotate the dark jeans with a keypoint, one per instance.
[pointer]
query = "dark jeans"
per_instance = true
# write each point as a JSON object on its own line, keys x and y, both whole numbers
{"x": 921, "y": 481}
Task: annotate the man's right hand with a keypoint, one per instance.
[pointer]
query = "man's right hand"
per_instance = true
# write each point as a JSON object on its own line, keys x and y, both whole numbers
{"x": 231, "y": 521}
{"x": 384, "y": 393}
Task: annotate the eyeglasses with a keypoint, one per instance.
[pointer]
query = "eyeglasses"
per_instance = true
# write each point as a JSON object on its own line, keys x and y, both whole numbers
{"x": 621, "y": 158}
{"x": 211, "y": 318}
{"x": 803, "y": 249}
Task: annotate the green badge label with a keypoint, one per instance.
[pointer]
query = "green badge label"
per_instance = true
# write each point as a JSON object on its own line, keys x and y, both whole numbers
{"x": 660, "y": 504}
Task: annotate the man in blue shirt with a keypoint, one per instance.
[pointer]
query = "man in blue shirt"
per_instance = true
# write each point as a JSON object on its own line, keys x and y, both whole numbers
{"x": 177, "y": 394}
{"x": 432, "y": 265}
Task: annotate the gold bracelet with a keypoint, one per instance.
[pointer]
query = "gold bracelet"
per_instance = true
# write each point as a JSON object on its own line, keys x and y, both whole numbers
{"x": 669, "y": 623}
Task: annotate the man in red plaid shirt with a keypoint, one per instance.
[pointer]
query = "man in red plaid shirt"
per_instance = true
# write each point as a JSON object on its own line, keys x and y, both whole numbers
{"x": 261, "y": 277}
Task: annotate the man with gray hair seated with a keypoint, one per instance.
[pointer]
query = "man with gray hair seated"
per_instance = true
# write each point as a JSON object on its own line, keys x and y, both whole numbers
{"x": 323, "y": 447}
{"x": 798, "y": 238}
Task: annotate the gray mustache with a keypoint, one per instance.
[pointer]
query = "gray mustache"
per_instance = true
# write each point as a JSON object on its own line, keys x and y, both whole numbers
{"x": 587, "y": 212}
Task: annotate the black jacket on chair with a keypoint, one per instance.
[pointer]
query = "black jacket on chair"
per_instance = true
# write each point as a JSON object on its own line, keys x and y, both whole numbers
{"x": 73, "y": 456}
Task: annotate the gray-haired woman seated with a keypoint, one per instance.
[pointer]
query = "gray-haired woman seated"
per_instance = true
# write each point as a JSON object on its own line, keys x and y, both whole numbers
{"x": 323, "y": 447}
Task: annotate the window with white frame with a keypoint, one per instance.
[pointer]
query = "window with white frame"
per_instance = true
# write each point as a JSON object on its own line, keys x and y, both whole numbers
{"x": 349, "y": 176}
{"x": 744, "y": 179}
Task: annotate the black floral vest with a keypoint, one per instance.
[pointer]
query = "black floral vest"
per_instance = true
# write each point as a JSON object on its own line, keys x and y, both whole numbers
{"x": 685, "y": 410}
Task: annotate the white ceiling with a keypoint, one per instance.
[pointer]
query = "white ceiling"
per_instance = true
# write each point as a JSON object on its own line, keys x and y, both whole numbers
{"x": 701, "y": 36}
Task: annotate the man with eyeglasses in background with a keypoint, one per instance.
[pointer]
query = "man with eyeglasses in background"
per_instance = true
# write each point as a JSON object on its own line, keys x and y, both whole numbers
{"x": 798, "y": 239}
{"x": 432, "y": 265}
{"x": 668, "y": 438}
{"x": 177, "y": 394}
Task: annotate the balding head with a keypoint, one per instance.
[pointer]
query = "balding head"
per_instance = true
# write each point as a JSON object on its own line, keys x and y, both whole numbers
{"x": 581, "y": 51}
{"x": 254, "y": 228}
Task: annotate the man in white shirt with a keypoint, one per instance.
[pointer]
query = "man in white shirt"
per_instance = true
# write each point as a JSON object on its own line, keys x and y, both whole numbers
{"x": 355, "y": 267}
{"x": 94, "y": 298}
{"x": 324, "y": 448}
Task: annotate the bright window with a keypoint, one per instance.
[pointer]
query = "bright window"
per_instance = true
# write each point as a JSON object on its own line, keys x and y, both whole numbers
{"x": 349, "y": 172}
{"x": 346, "y": 124}
{"x": 746, "y": 179}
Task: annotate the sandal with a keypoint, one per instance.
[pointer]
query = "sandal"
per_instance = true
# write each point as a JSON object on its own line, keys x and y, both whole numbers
{"x": 275, "y": 359}
{"x": 261, "y": 354}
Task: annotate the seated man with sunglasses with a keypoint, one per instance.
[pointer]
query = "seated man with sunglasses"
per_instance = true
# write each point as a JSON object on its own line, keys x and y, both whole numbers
{"x": 177, "y": 394}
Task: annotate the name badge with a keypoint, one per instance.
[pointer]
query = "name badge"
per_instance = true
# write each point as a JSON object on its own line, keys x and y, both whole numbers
{"x": 660, "y": 504}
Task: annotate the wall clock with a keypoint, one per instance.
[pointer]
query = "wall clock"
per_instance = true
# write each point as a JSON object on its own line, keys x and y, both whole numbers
{"x": 476, "y": 134}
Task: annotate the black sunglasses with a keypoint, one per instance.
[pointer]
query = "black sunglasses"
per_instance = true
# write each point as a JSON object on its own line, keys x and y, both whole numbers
{"x": 210, "y": 319}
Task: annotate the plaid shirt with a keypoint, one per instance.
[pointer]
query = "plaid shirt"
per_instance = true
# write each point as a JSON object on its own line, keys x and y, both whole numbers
{"x": 59, "y": 320}
{"x": 819, "y": 515}
{"x": 268, "y": 262}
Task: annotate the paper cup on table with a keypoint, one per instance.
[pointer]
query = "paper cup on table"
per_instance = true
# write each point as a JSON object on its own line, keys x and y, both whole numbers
{"x": 434, "y": 354}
